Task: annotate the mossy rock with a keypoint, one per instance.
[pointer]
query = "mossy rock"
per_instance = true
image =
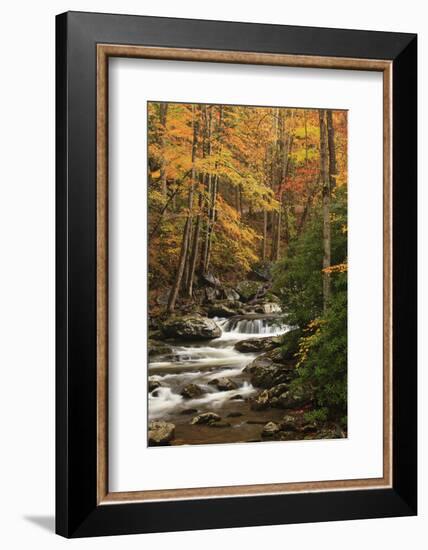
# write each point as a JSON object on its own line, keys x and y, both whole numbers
{"x": 191, "y": 327}
{"x": 156, "y": 348}
{"x": 248, "y": 289}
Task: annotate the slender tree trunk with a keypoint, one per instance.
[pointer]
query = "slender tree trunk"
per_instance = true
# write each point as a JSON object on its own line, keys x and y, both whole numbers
{"x": 331, "y": 151}
{"x": 213, "y": 201}
{"x": 212, "y": 223}
{"x": 286, "y": 141}
{"x": 325, "y": 182}
{"x": 209, "y": 199}
{"x": 275, "y": 179}
{"x": 195, "y": 249}
{"x": 265, "y": 214}
{"x": 163, "y": 110}
{"x": 204, "y": 182}
{"x": 207, "y": 225}
{"x": 187, "y": 226}
{"x": 265, "y": 224}
{"x": 306, "y": 139}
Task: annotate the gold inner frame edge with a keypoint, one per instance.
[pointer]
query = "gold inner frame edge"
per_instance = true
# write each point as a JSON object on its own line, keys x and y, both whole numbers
{"x": 104, "y": 51}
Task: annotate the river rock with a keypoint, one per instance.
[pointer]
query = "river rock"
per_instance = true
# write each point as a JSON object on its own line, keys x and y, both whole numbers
{"x": 281, "y": 397}
{"x": 191, "y": 391}
{"x": 248, "y": 290}
{"x": 160, "y": 432}
{"x": 223, "y": 384}
{"x": 210, "y": 279}
{"x": 219, "y": 424}
{"x": 260, "y": 402}
{"x": 205, "y": 418}
{"x": 157, "y": 348}
{"x": 291, "y": 399}
{"x": 269, "y": 369}
{"x": 191, "y": 327}
{"x": 211, "y": 294}
{"x": 290, "y": 423}
{"x": 189, "y": 411}
{"x": 153, "y": 385}
{"x": 225, "y": 308}
{"x": 230, "y": 294}
{"x": 254, "y": 345}
{"x": 269, "y": 308}
{"x": 234, "y": 414}
{"x": 270, "y": 429}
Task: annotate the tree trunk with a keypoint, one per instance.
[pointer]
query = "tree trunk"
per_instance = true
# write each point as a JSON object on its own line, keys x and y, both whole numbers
{"x": 275, "y": 180}
{"x": 206, "y": 253}
{"x": 286, "y": 142}
{"x": 306, "y": 139}
{"x": 195, "y": 248}
{"x": 212, "y": 222}
{"x": 264, "y": 248}
{"x": 209, "y": 199}
{"x": 187, "y": 226}
{"x": 331, "y": 151}
{"x": 325, "y": 182}
{"x": 163, "y": 110}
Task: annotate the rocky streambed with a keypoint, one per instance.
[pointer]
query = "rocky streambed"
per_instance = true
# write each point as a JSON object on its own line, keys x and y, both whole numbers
{"x": 225, "y": 380}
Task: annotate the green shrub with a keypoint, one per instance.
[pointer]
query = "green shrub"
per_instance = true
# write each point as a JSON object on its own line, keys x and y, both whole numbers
{"x": 320, "y": 341}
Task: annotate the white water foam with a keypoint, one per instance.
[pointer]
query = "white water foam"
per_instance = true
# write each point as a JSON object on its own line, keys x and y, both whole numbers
{"x": 218, "y": 359}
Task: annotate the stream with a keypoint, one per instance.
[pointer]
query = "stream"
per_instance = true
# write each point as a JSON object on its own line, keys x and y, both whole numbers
{"x": 202, "y": 362}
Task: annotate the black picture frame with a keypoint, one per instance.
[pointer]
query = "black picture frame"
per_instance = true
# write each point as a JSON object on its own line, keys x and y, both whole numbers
{"x": 77, "y": 512}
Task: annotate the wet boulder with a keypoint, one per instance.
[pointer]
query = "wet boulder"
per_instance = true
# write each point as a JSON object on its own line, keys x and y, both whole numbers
{"x": 291, "y": 399}
{"x": 268, "y": 308}
{"x": 282, "y": 397}
{"x": 189, "y": 411}
{"x": 156, "y": 348}
{"x": 153, "y": 385}
{"x": 230, "y": 294}
{"x": 269, "y": 369}
{"x": 260, "y": 402}
{"x": 161, "y": 433}
{"x": 224, "y": 308}
{"x": 270, "y": 429}
{"x": 254, "y": 345}
{"x": 223, "y": 384}
{"x": 205, "y": 418}
{"x": 237, "y": 397}
{"x": 191, "y": 327}
{"x": 192, "y": 391}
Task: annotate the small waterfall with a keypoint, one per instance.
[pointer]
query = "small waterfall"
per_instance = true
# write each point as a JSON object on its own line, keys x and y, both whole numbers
{"x": 253, "y": 326}
{"x": 201, "y": 363}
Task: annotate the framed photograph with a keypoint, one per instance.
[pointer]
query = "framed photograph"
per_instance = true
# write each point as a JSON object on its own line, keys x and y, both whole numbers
{"x": 236, "y": 274}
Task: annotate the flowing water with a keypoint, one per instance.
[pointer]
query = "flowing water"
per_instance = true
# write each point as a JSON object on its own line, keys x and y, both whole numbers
{"x": 200, "y": 363}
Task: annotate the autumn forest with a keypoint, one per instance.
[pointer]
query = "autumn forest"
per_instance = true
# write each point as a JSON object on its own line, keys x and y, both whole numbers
{"x": 247, "y": 274}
